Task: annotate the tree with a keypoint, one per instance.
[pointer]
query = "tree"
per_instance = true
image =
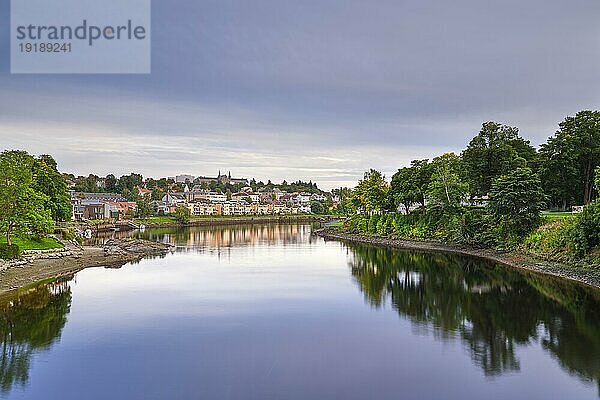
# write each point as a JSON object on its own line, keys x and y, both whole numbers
{"x": 144, "y": 207}
{"x": 371, "y": 192}
{"x": 516, "y": 201}
{"x": 47, "y": 180}
{"x": 409, "y": 184}
{"x": 182, "y": 214}
{"x": 447, "y": 189}
{"x": 110, "y": 183}
{"x": 570, "y": 158}
{"x": 492, "y": 153}
{"x": 127, "y": 185}
{"x": 22, "y": 209}
{"x": 316, "y": 207}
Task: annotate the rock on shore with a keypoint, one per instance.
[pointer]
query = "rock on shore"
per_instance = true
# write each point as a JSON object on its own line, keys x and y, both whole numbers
{"x": 114, "y": 254}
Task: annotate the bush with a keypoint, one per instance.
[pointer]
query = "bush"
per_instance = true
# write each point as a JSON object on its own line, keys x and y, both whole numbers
{"x": 9, "y": 252}
{"x": 586, "y": 230}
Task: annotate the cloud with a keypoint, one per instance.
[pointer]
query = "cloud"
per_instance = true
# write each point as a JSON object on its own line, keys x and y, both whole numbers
{"x": 319, "y": 90}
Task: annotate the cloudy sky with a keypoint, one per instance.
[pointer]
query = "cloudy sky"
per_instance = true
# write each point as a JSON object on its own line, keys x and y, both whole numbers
{"x": 311, "y": 89}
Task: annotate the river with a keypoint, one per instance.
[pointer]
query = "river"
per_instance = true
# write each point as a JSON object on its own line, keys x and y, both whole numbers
{"x": 274, "y": 312}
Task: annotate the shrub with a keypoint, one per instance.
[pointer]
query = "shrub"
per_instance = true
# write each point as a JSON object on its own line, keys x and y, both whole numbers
{"x": 9, "y": 252}
{"x": 586, "y": 230}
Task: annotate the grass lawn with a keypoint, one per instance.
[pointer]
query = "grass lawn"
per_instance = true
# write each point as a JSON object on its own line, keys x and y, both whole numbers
{"x": 553, "y": 216}
{"x": 29, "y": 243}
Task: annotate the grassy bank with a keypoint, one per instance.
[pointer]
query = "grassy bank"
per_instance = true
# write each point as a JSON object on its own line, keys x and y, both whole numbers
{"x": 572, "y": 240}
{"x": 34, "y": 243}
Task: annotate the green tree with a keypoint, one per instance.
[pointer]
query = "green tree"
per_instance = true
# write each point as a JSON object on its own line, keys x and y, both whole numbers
{"x": 409, "y": 185}
{"x": 182, "y": 214}
{"x": 371, "y": 192}
{"x": 316, "y": 207}
{"x": 127, "y": 185}
{"x": 47, "y": 180}
{"x": 22, "y": 209}
{"x": 492, "y": 153}
{"x": 516, "y": 201}
{"x": 110, "y": 183}
{"x": 144, "y": 207}
{"x": 570, "y": 158}
{"x": 447, "y": 189}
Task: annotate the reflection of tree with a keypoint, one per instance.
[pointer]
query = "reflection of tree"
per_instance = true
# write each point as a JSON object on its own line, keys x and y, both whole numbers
{"x": 491, "y": 308}
{"x": 30, "y": 322}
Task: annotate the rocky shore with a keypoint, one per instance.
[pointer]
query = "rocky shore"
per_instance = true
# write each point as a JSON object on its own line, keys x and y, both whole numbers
{"x": 36, "y": 266}
{"x": 514, "y": 260}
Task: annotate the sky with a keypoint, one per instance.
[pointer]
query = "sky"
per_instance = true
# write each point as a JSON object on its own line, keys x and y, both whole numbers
{"x": 312, "y": 89}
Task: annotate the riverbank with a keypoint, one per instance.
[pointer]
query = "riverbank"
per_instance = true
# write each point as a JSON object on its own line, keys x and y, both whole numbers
{"x": 114, "y": 254}
{"x": 512, "y": 259}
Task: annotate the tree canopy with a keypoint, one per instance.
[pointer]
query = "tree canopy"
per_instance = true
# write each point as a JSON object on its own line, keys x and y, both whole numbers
{"x": 22, "y": 208}
{"x": 447, "y": 189}
{"x": 492, "y": 153}
{"x": 516, "y": 200}
{"x": 371, "y": 192}
{"x": 569, "y": 159}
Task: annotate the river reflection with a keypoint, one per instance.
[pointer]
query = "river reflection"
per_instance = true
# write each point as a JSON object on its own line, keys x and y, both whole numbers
{"x": 30, "y": 322}
{"x": 492, "y": 309}
{"x": 287, "y": 315}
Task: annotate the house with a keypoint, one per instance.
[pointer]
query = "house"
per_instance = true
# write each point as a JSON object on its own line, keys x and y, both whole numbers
{"x": 242, "y": 196}
{"x": 93, "y": 206}
{"x": 93, "y": 210}
{"x": 203, "y": 208}
{"x": 301, "y": 199}
{"x": 305, "y": 209}
{"x": 174, "y": 199}
{"x": 161, "y": 207}
{"x": 143, "y": 192}
{"x": 123, "y": 208}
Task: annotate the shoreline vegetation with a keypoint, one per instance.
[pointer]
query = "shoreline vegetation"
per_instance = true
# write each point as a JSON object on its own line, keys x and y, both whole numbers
{"x": 512, "y": 259}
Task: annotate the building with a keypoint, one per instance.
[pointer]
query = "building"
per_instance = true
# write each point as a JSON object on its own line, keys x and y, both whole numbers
{"x": 95, "y": 206}
{"x": 184, "y": 178}
{"x": 123, "y": 208}
{"x": 225, "y": 179}
{"x": 242, "y": 196}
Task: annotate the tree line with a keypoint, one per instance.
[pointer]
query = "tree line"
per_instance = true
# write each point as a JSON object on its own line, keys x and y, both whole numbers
{"x": 496, "y": 188}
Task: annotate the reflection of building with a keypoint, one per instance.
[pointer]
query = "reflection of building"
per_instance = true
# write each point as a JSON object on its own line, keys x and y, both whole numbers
{"x": 237, "y": 235}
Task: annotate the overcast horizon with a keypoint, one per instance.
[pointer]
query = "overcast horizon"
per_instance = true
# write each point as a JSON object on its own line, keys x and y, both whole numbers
{"x": 314, "y": 90}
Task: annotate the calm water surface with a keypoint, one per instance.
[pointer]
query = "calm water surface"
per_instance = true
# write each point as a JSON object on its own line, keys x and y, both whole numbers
{"x": 271, "y": 312}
